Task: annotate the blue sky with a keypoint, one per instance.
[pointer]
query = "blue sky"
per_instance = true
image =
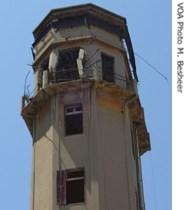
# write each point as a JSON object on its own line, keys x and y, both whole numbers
{"x": 150, "y": 29}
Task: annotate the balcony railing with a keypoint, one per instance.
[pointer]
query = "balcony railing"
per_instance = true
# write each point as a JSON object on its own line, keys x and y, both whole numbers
{"x": 65, "y": 75}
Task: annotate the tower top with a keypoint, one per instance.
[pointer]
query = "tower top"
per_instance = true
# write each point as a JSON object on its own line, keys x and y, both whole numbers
{"x": 87, "y": 15}
{"x": 97, "y": 16}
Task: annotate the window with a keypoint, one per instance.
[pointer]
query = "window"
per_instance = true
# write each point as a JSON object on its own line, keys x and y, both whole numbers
{"x": 75, "y": 186}
{"x": 73, "y": 119}
{"x": 67, "y": 65}
{"x": 70, "y": 186}
{"x": 107, "y": 67}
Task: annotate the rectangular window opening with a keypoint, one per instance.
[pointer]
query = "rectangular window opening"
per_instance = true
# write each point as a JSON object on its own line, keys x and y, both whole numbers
{"x": 75, "y": 186}
{"x": 67, "y": 65}
{"x": 73, "y": 119}
{"x": 70, "y": 186}
{"x": 107, "y": 67}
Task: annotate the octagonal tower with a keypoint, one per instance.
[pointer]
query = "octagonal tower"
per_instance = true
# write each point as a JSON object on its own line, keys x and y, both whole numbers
{"x": 85, "y": 114}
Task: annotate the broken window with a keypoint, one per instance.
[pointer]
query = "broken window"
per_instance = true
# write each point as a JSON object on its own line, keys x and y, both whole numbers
{"x": 70, "y": 186}
{"x": 107, "y": 67}
{"x": 73, "y": 119}
{"x": 67, "y": 65}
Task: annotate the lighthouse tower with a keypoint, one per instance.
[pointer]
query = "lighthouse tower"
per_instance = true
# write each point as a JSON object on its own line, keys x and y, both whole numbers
{"x": 85, "y": 115}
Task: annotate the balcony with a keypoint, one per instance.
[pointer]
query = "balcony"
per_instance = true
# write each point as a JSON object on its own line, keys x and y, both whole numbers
{"x": 62, "y": 77}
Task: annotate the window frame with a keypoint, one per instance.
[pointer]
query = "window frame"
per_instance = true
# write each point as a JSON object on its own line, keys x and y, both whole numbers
{"x": 75, "y": 179}
{"x": 64, "y": 200}
{"x": 74, "y": 112}
{"x": 103, "y": 54}
{"x": 71, "y": 72}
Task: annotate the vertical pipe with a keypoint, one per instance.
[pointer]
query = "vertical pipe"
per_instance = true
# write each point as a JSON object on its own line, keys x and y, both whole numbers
{"x": 139, "y": 170}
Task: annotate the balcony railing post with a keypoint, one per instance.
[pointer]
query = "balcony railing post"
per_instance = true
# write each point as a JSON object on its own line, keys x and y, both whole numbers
{"x": 45, "y": 79}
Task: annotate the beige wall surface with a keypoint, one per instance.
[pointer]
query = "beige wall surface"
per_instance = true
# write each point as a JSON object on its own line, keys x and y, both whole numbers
{"x": 104, "y": 150}
{"x": 105, "y": 147}
{"x": 42, "y": 161}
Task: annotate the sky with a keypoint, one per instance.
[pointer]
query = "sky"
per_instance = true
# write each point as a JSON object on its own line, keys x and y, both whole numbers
{"x": 149, "y": 25}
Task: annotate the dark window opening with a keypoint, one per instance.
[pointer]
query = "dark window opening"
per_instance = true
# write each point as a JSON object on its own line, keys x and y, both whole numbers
{"x": 70, "y": 186}
{"x": 67, "y": 65}
{"x": 107, "y": 67}
{"x": 75, "y": 191}
{"x": 45, "y": 64}
{"x": 73, "y": 119}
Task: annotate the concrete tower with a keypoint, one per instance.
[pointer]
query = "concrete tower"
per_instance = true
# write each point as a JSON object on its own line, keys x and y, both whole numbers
{"x": 85, "y": 115}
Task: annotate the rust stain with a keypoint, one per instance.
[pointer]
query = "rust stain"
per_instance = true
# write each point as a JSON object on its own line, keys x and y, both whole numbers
{"x": 109, "y": 101}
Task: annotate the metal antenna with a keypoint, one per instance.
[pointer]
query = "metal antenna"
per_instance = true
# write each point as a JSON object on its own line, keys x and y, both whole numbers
{"x": 25, "y": 83}
{"x": 151, "y": 66}
{"x": 28, "y": 91}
